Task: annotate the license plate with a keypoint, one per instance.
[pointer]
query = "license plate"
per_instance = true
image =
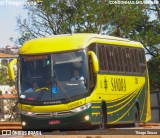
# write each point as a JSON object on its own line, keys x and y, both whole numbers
{"x": 54, "y": 122}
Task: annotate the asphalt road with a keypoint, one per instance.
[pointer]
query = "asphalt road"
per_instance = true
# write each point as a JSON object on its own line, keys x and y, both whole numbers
{"x": 145, "y": 130}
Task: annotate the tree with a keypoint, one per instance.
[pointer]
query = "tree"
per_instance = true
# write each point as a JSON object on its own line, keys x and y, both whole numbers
{"x": 50, "y": 18}
{"x": 3, "y": 75}
{"x": 156, "y": 8}
{"x": 54, "y": 17}
{"x": 154, "y": 71}
{"x": 124, "y": 18}
{"x": 148, "y": 33}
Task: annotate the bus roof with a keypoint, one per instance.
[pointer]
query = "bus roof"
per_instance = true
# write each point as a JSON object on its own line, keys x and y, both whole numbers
{"x": 70, "y": 42}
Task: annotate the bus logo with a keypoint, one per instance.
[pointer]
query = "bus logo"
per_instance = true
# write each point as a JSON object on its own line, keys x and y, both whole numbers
{"x": 53, "y": 114}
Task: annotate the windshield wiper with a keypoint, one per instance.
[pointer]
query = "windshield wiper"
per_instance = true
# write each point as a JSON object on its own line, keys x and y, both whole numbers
{"x": 41, "y": 94}
{"x": 55, "y": 82}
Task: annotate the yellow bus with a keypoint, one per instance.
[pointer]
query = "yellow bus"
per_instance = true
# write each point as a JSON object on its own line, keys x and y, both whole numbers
{"x": 112, "y": 88}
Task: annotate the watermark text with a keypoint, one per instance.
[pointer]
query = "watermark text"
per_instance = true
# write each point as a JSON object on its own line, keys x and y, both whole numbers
{"x": 18, "y": 3}
{"x": 132, "y": 2}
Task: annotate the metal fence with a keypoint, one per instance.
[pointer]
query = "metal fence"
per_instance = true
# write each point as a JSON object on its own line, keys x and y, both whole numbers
{"x": 155, "y": 105}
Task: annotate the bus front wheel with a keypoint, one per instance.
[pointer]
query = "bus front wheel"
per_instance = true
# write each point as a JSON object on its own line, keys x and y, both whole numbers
{"x": 103, "y": 119}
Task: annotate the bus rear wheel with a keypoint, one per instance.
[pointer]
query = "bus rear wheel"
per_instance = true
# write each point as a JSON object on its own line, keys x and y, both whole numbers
{"x": 136, "y": 119}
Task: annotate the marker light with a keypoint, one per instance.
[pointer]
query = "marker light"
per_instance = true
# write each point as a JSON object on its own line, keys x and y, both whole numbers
{"x": 23, "y": 123}
{"x": 81, "y": 108}
{"x": 27, "y": 113}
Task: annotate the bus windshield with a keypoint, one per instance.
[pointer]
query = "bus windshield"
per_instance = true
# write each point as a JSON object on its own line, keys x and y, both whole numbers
{"x": 52, "y": 77}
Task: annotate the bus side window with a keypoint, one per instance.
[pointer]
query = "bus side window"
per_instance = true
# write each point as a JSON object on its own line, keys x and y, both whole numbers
{"x": 133, "y": 65}
{"x": 111, "y": 58}
{"x": 107, "y": 58}
{"x": 117, "y": 59}
{"x": 136, "y": 60}
{"x": 125, "y": 66}
{"x": 128, "y": 59}
{"x": 142, "y": 62}
{"x": 121, "y": 60}
{"x": 101, "y": 60}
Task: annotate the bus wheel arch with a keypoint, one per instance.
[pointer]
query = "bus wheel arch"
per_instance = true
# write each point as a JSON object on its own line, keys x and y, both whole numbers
{"x": 103, "y": 115}
{"x": 136, "y": 115}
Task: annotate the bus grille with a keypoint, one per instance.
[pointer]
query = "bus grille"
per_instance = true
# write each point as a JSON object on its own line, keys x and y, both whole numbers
{"x": 46, "y": 115}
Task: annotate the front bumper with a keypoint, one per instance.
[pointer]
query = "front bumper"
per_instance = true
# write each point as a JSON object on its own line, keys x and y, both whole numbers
{"x": 80, "y": 120}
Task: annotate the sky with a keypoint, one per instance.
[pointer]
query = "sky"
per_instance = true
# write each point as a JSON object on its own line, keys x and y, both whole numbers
{"x": 9, "y": 10}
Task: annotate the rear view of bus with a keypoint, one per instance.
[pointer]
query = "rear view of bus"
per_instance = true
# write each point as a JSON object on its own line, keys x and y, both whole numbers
{"x": 49, "y": 97}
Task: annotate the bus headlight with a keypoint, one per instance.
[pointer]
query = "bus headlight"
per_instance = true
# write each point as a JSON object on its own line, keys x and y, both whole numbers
{"x": 27, "y": 113}
{"x": 81, "y": 108}
{"x": 23, "y": 123}
{"x": 86, "y": 117}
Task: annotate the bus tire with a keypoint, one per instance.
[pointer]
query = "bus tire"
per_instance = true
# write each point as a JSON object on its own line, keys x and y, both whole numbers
{"x": 103, "y": 118}
{"x": 136, "y": 119}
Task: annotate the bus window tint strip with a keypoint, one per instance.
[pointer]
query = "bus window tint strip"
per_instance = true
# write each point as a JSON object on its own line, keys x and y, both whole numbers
{"x": 125, "y": 60}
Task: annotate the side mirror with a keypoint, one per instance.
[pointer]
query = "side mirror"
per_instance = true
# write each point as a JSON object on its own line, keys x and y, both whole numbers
{"x": 11, "y": 69}
{"x": 95, "y": 62}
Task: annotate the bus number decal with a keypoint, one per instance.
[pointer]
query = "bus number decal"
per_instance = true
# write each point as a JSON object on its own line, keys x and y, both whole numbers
{"x": 118, "y": 84}
{"x": 72, "y": 105}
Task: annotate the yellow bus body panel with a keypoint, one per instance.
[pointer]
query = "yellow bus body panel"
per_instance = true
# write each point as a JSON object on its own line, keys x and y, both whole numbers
{"x": 148, "y": 117}
{"x": 52, "y": 108}
{"x": 110, "y": 94}
{"x": 70, "y": 42}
